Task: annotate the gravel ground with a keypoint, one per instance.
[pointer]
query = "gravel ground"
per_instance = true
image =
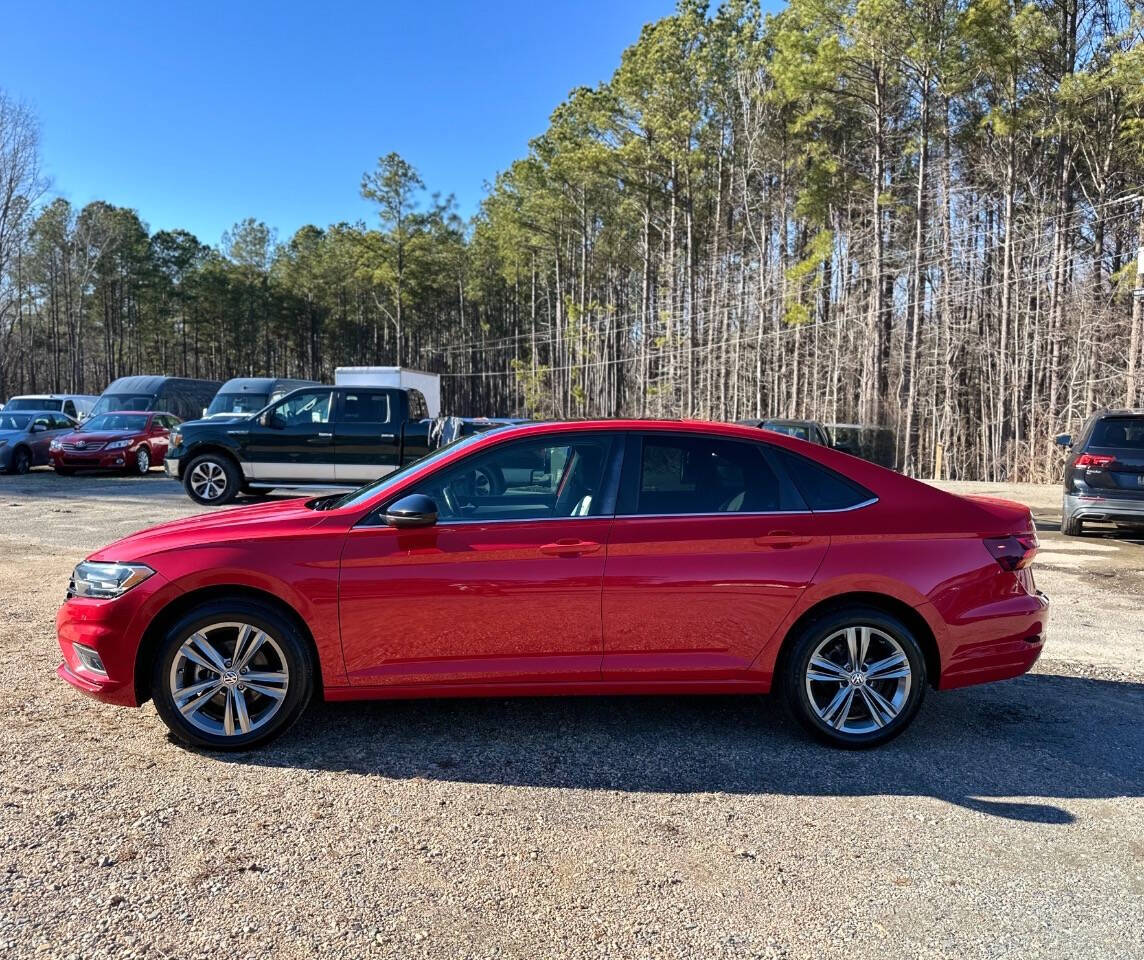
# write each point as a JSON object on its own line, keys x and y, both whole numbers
{"x": 1008, "y": 822}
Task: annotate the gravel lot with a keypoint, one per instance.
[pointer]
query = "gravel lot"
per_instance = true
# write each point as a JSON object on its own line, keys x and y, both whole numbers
{"x": 1008, "y": 822}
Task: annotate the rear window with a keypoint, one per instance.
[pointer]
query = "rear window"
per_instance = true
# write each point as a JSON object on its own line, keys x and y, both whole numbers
{"x": 1127, "y": 433}
{"x": 32, "y": 403}
{"x": 821, "y": 487}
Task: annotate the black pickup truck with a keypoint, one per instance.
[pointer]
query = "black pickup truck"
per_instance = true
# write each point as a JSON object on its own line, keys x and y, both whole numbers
{"x": 315, "y": 436}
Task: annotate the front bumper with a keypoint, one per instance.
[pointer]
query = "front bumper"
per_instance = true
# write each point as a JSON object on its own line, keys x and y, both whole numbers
{"x": 171, "y": 467}
{"x": 101, "y": 460}
{"x": 1103, "y": 508}
{"x": 114, "y": 629}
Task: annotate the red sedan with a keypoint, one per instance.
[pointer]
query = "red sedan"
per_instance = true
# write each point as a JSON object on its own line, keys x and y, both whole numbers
{"x": 568, "y": 558}
{"x": 124, "y": 440}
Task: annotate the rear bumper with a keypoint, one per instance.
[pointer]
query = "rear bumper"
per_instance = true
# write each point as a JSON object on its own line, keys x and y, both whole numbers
{"x": 1103, "y": 508}
{"x": 997, "y": 643}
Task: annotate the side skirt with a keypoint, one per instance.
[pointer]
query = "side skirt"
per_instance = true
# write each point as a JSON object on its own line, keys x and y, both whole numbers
{"x": 612, "y": 688}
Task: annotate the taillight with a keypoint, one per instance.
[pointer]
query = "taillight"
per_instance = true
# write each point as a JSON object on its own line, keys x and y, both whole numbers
{"x": 1013, "y": 552}
{"x": 1094, "y": 460}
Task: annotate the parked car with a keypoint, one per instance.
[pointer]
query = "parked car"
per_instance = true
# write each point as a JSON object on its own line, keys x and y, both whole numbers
{"x": 182, "y": 396}
{"x": 314, "y": 436}
{"x": 26, "y": 436}
{"x": 873, "y": 443}
{"x": 129, "y": 440}
{"x": 809, "y": 430}
{"x": 1104, "y": 475}
{"x": 248, "y": 395}
{"x": 78, "y": 406}
{"x": 632, "y": 557}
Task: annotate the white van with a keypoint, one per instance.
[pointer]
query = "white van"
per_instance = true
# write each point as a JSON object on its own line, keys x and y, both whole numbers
{"x": 75, "y": 405}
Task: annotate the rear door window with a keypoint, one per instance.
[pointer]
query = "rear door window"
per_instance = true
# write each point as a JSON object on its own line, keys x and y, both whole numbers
{"x": 362, "y": 406}
{"x": 676, "y": 475}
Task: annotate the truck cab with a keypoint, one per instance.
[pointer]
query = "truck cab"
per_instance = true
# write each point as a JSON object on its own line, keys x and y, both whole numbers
{"x": 315, "y": 436}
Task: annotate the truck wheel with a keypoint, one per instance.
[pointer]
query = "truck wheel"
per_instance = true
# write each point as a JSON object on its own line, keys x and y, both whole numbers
{"x": 212, "y": 479}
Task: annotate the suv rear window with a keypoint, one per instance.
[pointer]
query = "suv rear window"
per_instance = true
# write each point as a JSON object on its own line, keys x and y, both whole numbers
{"x": 821, "y": 487}
{"x": 1127, "y": 433}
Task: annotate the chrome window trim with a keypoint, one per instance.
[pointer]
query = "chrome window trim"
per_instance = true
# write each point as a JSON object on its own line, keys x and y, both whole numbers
{"x": 641, "y": 516}
{"x": 748, "y": 513}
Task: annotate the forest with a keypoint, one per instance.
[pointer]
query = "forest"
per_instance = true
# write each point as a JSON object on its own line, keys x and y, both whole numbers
{"x": 922, "y": 214}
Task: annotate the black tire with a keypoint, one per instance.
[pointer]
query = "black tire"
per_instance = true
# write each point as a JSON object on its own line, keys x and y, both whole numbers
{"x": 887, "y": 632}
{"x": 21, "y": 460}
{"x": 137, "y": 462}
{"x": 1072, "y": 527}
{"x": 287, "y": 640}
{"x": 225, "y": 477}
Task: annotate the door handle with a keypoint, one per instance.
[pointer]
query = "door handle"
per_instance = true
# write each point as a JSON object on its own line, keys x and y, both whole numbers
{"x": 569, "y": 548}
{"x": 325, "y": 436}
{"x": 387, "y": 437}
{"x": 782, "y": 540}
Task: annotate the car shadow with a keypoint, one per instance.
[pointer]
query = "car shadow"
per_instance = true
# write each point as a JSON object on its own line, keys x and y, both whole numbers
{"x": 1099, "y": 531}
{"x": 983, "y": 748}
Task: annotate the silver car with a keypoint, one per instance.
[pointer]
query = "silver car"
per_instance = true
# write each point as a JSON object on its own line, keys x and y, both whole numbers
{"x": 25, "y": 437}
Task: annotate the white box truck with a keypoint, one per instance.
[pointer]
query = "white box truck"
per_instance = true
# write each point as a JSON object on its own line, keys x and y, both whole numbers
{"x": 401, "y": 378}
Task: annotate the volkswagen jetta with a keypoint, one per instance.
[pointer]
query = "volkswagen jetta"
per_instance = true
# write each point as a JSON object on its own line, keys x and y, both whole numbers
{"x": 568, "y": 558}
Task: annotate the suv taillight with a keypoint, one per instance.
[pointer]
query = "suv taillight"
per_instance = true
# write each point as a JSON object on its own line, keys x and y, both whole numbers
{"x": 1013, "y": 552}
{"x": 1094, "y": 460}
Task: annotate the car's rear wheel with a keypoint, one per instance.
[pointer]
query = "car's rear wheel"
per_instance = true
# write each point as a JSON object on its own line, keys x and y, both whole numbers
{"x": 212, "y": 480}
{"x": 855, "y": 678}
{"x": 142, "y": 461}
{"x": 231, "y": 675}
{"x": 1072, "y": 527}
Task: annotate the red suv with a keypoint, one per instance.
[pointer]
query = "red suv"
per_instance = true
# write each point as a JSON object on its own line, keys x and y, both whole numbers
{"x": 125, "y": 440}
{"x": 568, "y": 558}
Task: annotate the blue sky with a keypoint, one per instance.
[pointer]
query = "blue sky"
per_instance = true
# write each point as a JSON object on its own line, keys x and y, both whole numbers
{"x": 200, "y": 114}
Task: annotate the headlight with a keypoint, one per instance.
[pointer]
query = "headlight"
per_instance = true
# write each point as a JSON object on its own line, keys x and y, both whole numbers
{"x": 117, "y": 445}
{"x": 103, "y": 581}
{"x": 176, "y": 437}
{"x": 54, "y": 445}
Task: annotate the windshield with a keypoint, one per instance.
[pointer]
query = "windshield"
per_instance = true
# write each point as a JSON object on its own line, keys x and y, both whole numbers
{"x": 32, "y": 403}
{"x": 370, "y": 490}
{"x": 115, "y": 421}
{"x": 122, "y": 401}
{"x": 14, "y": 421}
{"x": 237, "y": 403}
{"x": 790, "y": 429}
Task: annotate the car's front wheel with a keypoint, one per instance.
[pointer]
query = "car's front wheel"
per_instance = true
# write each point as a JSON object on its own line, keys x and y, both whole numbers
{"x": 855, "y": 678}
{"x": 142, "y": 462}
{"x": 212, "y": 480}
{"x": 231, "y": 675}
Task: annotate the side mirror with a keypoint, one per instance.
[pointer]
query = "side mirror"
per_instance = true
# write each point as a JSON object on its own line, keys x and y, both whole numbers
{"x": 1064, "y": 440}
{"x": 38, "y": 428}
{"x": 416, "y": 510}
{"x": 271, "y": 420}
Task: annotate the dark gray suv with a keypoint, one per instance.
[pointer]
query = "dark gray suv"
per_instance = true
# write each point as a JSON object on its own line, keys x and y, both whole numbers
{"x": 1104, "y": 476}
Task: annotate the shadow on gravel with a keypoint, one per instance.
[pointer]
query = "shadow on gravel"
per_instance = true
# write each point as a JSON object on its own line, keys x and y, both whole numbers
{"x": 1041, "y": 736}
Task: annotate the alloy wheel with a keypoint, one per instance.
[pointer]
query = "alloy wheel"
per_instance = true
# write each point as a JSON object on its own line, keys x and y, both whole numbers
{"x": 143, "y": 460}
{"x": 858, "y": 679}
{"x": 229, "y": 679}
{"x": 208, "y": 480}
